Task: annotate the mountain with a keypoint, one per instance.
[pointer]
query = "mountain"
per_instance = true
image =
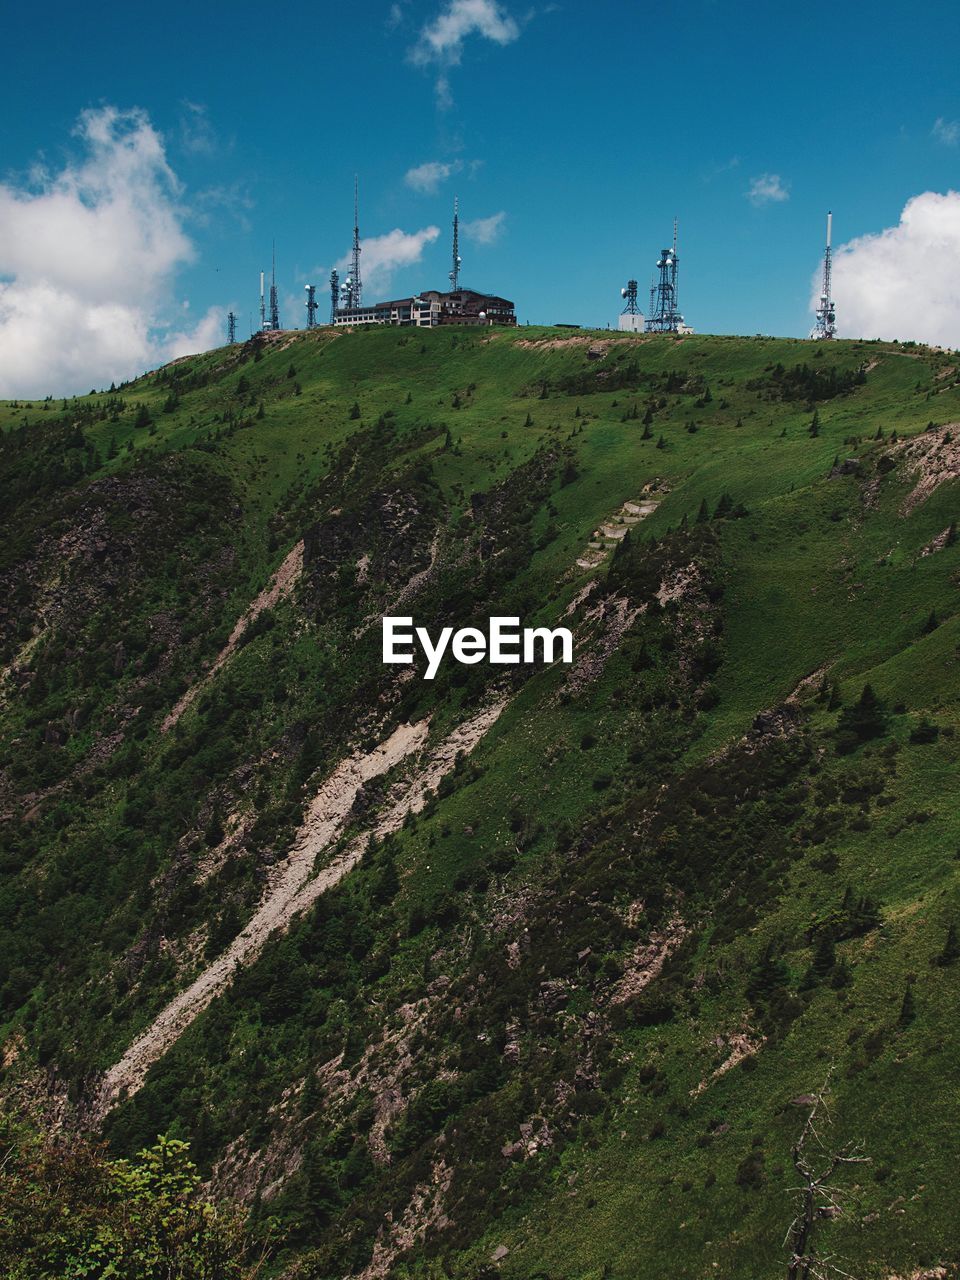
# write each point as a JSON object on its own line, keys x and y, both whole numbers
{"x": 532, "y": 969}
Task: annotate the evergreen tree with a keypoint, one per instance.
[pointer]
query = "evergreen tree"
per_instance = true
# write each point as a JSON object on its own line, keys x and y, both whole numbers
{"x": 951, "y": 947}
{"x": 866, "y": 719}
{"x": 824, "y": 956}
{"x": 908, "y": 1008}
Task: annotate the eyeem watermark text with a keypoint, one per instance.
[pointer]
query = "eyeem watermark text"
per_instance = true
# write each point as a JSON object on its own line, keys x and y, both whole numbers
{"x": 503, "y": 642}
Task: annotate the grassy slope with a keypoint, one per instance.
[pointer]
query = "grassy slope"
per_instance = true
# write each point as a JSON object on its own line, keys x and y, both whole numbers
{"x": 813, "y": 578}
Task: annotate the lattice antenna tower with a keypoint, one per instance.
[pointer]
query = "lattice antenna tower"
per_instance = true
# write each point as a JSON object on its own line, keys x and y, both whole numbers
{"x": 334, "y": 295}
{"x": 665, "y": 314}
{"x": 629, "y": 295}
{"x": 457, "y": 260}
{"x": 263, "y": 305}
{"x": 274, "y": 305}
{"x": 231, "y": 328}
{"x": 311, "y": 292}
{"x": 353, "y": 286}
{"x": 825, "y": 325}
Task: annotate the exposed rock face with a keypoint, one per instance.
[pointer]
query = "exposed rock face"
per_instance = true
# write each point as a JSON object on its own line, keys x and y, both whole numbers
{"x": 933, "y": 458}
{"x": 279, "y": 587}
{"x": 292, "y": 890}
{"x": 648, "y": 960}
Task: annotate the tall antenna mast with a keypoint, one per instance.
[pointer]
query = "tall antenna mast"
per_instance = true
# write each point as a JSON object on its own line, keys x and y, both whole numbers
{"x": 665, "y": 314}
{"x": 231, "y": 327}
{"x": 274, "y": 305}
{"x": 825, "y": 325}
{"x": 457, "y": 260}
{"x": 354, "y": 283}
{"x": 311, "y": 291}
{"x": 263, "y": 306}
{"x": 334, "y": 295}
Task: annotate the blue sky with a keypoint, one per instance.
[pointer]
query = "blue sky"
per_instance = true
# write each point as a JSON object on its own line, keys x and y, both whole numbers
{"x": 585, "y": 126}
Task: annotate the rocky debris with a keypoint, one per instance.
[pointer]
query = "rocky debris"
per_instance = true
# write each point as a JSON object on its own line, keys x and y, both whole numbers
{"x": 939, "y": 542}
{"x": 596, "y": 348}
{"x": 279, "y": 587}
{"x": 604, "y": 627}
{"x": 807, "y": 685}
{"x": 535, "y": 1136}
{"x": 95, "y": 552}
{"x": 387, "y": 535}
{"x": 777, "y": 722}
{"x": 423, "y": 1213}
{"x": 926, "y": 1273}
{"x": 933, "y": 458}
{"x": 294, "y": 887}
{"x": 848, "y": 467}
{"x": 647, "y": 961}
{"x": 582, "y": 595}
{"x": 684, "y": 581}
{"x": 738, "y": 1046}
{"x": 420, "y": 579}
{"x": 389, "y": 1103}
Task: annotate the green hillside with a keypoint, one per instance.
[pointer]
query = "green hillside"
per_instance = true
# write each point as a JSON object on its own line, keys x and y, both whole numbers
{"x": 571, "y": 949}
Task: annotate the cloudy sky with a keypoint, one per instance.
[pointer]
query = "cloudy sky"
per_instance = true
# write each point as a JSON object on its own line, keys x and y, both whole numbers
{"x": 149, "y": 162}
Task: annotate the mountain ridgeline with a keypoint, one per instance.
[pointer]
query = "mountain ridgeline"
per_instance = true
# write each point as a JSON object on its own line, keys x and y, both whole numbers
{"x": 528, "y": 970}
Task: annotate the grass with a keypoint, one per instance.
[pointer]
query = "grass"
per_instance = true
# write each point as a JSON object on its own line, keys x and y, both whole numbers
{"x": 547, "y": 826}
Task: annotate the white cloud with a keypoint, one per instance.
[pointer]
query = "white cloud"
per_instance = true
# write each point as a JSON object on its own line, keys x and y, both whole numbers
{"x": 767, "y": 188}
{"x": 484, "y": 230}
{"x": 197, "y": 134}
{"x": 903, "y": 282}
{"x": 946, "y": 131}
{"x": 380, "y": 256}
{"x": 441, "y": 41}
{"x": 426, "y": 178}
{"x": 89, "y": 255}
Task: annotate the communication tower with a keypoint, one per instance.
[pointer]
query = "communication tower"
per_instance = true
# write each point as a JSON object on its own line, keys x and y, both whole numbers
{"x": 311, "y": 290}
{"x": 457, "y": 260}
{"x": 352, "y": 286}
{"x": 334, "y": 295}
{"x": 274, "y": 305}
{"x": 231, "y": 328}
{"x": 631, "y": 317}
{"x": 665, "y": 314}
{"x": 263, "y": 305}
{"x": 825, "y": 325}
